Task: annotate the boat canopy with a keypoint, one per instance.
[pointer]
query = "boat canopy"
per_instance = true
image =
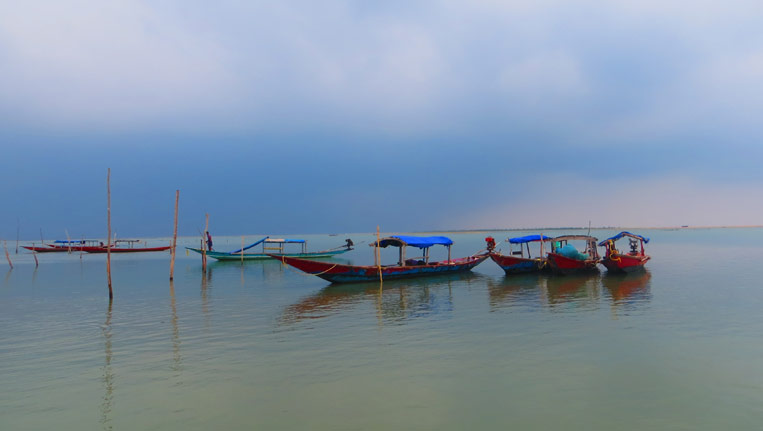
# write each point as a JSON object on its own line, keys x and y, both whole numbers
{"x": 624, "y": 234}
{"x": 529, "y": 238}
{"x": 413, "y": 241}
{"x": 74, "y": 241}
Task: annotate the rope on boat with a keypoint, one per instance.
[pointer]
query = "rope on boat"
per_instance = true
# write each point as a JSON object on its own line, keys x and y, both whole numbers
{"x": 613, "y": 254}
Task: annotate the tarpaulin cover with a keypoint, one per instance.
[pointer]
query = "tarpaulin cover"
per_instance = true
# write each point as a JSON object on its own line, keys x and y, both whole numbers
{"x": 415, "y": 241}
{"x": 622, "y": 234}
{"x": 528, "y": 238}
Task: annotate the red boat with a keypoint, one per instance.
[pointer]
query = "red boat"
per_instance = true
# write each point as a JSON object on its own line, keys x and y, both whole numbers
{"x": 517, "y": 262}
{"x": 634, "y": 260}
{"x": 129, "y": 249}
{"x": 62, "y": 246}
{"x": 405, "y": 268}
{"x": 565, "y": 259}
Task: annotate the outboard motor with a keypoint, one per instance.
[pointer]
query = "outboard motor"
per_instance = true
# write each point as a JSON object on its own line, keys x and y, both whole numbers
{"x": 490, "y": 243}
{"x": 634, "y": 245}
{"x": 349, "y": 243}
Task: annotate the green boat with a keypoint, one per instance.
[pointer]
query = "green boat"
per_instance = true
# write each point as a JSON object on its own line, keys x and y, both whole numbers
{"x": 275, "y": 247}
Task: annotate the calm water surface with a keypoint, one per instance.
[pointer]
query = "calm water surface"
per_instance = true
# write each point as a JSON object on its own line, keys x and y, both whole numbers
{"x": 261, "y": 346}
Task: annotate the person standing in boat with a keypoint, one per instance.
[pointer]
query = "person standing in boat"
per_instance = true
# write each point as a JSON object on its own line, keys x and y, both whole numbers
{"x": 209, "y": 241}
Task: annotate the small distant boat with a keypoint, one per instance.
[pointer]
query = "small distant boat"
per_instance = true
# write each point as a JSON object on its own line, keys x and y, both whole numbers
{"x": 633, "y": 260}
{"x": 517, "y": 261}
{"x": 405, "y": 268}
{"x": 564, "y": 258}
{"x": 127, "y": 247}
{"x": 276, "y": 247}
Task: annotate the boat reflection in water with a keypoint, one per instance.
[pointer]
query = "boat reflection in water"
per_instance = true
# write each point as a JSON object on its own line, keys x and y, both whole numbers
{"x": 628, "y": 289}
{"x": 396, "y": 300}
{"x": 576, "y": 290}
{"x": 516, "y": 290}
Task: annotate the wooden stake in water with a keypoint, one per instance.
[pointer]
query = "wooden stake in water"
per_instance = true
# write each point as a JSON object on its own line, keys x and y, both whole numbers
{"x": 7, "y": 256}
{"x": 18, "y": 232}
{"x": 108, "y": 223}
{"x": 174, "y": 237}
{"x": 242, "y": 249}
{"x": 378, "y": 255}
{"x": 36, "y": 263}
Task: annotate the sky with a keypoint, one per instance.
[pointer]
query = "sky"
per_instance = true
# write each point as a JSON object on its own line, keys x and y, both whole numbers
{"x": 338, "y": 116}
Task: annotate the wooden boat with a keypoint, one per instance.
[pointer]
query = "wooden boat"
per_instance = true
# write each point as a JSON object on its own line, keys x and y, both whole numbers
{"x": 130, "y": 248}
{"x": 62, "y": 246}
{"x": 405, "y": 268}
{"x": 565, "y": 259}
{"x": 276, "y": 247}
{"x": 517, "y": 262}
{"x": 634, "y": 260}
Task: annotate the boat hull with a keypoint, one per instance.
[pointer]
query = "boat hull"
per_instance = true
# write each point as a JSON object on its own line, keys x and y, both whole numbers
{"x": 339, "y": 273}
{"x": 123, "y": 250}
{"x": 564, "y": 265}
{"x": 518, "y": 265}
{"x": 49, "y": 249}
{"x": 625, "y": 263}
{"x": 262, "y": 256}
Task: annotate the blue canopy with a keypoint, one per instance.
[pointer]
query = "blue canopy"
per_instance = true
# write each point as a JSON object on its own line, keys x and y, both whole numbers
{"x": 623, "y": 234}
{"x": 414, "y": 241}
{"x": 529, "y": 238}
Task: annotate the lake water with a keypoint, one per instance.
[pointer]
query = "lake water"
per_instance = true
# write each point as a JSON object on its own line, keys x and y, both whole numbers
{"x": 262, "y": 346}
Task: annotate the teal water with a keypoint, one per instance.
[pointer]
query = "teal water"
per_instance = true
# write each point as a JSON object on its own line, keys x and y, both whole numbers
{"x": 261, "y": 346}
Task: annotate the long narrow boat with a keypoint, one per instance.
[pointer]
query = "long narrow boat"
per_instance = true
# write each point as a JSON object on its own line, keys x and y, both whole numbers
{"x": 116, "y": 248}
{"x": 517, "y": 262}
{"x": 405, "y": 268}
{"x": 276, "y": 247}
{"x": 62, "y": 246}
{"x": 46, "y": 249}
{"x": 565, "y": 259}
{"x": 634, "y": 260}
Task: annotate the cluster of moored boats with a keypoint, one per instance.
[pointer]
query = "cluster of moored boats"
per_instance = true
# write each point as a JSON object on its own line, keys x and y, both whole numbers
{"x": 562, "y": 257}
{"x": 554, "y": 254}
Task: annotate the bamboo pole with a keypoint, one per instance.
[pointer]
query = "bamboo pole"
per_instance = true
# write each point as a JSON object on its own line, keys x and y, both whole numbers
{"x": 36, "y": 263}
{"x": 242, "y": 249}
{"x": 68, "y": 240}
{"x": 7, "y": 256}
{"x": 108, "y": 223}
{"x": 174, "y": 237}
{"x": 18, "y": 232}
{"x": 378, "y": 255}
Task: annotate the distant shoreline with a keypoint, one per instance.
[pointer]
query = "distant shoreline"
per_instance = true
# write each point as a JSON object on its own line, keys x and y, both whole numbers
{"x": 538, "y": 229}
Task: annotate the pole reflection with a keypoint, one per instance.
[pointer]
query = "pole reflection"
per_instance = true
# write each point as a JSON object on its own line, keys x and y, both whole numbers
{"x": 107, "y": 374}
{"x": 177, "y": 358}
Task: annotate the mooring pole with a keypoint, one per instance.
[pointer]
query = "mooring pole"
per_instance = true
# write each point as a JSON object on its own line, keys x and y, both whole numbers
{"x": 108, "y": 223}
{"x": 7, "y": 256}
{"x": 174, "y": 237}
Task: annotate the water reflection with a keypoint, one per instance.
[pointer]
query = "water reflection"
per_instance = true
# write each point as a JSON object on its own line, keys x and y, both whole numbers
{"x": 177, "y": 359}
{"x": 107, "y": 374}
{"x": 514, "y": 290}
{"x": 628, "y": 288}
{"x": 572, "y": 290}
{"x": 205, "y": 280}
{"x": 397, "y": 300}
